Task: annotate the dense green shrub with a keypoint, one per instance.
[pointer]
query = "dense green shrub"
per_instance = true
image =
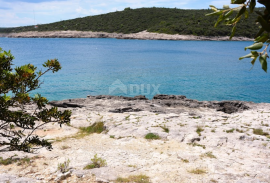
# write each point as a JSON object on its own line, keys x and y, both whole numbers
{"x": 17, "y": 125}
{"x": 151, "y": 136}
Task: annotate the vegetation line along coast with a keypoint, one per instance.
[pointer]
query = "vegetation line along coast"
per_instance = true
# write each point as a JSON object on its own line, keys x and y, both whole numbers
{"x": 141, "y": 23}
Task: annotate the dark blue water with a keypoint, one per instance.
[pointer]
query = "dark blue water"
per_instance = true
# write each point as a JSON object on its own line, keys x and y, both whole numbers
{"x": 202, "y": 70}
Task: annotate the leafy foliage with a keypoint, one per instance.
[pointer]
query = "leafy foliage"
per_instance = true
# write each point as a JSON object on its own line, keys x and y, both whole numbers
{"x": 96, "y": 163}
{"x": 63, "y": 167}
{"x": 11, "y": 160}
{"x": 199, "y": 130}
{"x": 16, "y": 124}
{"x": 259, "y": 131}
{"x": 151, "y": 136}
{"x": 243, "y": 11}
{"x": 160, "y": 20}
{"x": 134, "y": 178}
{"x": 94, "y": 128}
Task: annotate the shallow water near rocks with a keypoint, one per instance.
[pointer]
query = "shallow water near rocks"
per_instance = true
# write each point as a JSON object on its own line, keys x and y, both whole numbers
{"x": 202, "y": 70}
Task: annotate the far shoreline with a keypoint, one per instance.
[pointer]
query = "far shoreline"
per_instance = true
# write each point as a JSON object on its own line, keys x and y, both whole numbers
{"x": 144, "y": 35}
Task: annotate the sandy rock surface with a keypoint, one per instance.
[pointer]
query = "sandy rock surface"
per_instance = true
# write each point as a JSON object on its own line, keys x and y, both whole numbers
{"x": 225, "y": 149}
{"x": 139, "y": 35}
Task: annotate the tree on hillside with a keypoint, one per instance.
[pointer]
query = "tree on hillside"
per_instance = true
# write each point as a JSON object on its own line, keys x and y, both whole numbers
{"x": 17, "y": 124}
{"x": 262, "y": 38}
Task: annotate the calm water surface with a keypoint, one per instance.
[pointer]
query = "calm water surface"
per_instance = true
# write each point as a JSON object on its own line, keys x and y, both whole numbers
{"x": 202, "y": 70}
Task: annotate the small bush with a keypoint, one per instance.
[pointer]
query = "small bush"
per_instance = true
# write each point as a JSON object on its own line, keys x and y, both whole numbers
{"x": 199, "y": 130}
{"x": 209, "y": 155}
{"x": 95, "y": 128}
{"x": 185, "y": 160}
{"x": 230, "y": 131}
{"x": 259, "y": 131}
{"x": 165, "y": 129}
{"x": 63, "y": 167}
{"x": 240, "y": 131}
{"x": 134, "y": 179}
{"x": 6, "y": 161}
{"x": 263, "y": 124}
{"x": 196, "y": 144}
{"x": 152, "y": 136}
{"x": 10, "y": 160}
{"x": 127, "y": 118}
{"x": 96, "y": 163}
{"x": 24, "y": 161}
{"x": 197, "y": 171}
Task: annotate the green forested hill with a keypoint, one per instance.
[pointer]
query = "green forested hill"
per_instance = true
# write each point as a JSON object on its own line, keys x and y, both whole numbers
{"x": 162, "y": 20}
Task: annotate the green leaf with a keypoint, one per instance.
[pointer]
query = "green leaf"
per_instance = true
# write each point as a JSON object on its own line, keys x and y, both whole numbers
{"x": 246, "y": 14}
{"x": 263, "y": 38}
{"x": 6, "y": 98}
{"x": 234, "y": 21}
{"x": 27, "y": 69}
{"x": 246, "y": 56}
{"x": 226, "y": 7}
{"x": 213, "y": 8}
{"x": 233, "y": 32}
{"x": 263, "y": 23}
{"x": 254, "y": 60}
{"x": 263, "y": 62}
{"x": 220, "y": 19}
{"x": 11, "y": 126}
{"x": 252, "y": 5}
{"x": 255, "y": 46}
{"x": 259, "y": 33}
{"x": 241, "y": 12}
{"x": 255, "y": 55}
{"x": 228, "y": 14}
{"x": 214, "y": 13}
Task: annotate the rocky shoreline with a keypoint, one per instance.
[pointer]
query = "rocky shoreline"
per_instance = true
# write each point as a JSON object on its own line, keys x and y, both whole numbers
{"x": 200, "y": 141}
{"x": 144, "y": 35}
{"x": 166, "y": 103}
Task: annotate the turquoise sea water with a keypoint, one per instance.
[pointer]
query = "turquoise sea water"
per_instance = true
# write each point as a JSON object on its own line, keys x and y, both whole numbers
{"x": 202, "y": 70}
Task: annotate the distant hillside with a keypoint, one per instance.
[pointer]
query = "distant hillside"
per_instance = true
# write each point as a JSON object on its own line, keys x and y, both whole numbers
{"x": 161, "y": 20}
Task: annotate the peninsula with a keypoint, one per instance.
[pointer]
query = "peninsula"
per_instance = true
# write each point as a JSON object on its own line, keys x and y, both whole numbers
{"x": 141, "y": 23}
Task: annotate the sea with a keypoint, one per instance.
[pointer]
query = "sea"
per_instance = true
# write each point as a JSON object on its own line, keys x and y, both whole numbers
{"x": 201, "y": 70}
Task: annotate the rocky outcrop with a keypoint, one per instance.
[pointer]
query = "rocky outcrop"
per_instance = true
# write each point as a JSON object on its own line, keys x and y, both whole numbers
{"x": 126, "y": 109}
{"x": 159, "y": 103}
{"x": 73, "y": 104}
{"x": 180, "y": 100}
{"x": 193, "y": 136}
{"x": 139, "y": 97}
{"x": 139, "y": 35}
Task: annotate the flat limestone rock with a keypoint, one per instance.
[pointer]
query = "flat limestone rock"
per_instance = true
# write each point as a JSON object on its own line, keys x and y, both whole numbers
{"x": 194, "y": 136}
